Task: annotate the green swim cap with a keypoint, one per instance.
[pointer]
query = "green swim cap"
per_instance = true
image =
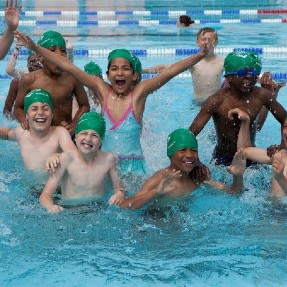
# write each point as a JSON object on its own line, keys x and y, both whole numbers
{"x": 91, "y": 121}
{"x": 122, "y": 53}
{"x": 52, "y": 39}
{"x": 180, "y": 139}
{"x": 38, "y": 96}
{"x": 93, "y": 69}
{"x": 235, "y": 62}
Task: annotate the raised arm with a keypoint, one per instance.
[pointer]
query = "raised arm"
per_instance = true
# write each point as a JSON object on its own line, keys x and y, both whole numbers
{"x": 156, "y": 69}
{"x": 148, "y": 86}
{"x": 11, "y": 66}
{"x": 244, "y": 132}
{"x": 12, "y": 21}
{"x": 237, "y": 169}
{"x": 244, "y": 143}
{"x": 94, "y": 83}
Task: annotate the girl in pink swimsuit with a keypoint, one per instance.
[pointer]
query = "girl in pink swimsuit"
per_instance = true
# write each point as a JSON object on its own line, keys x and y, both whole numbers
{"x": 123, "y": 139}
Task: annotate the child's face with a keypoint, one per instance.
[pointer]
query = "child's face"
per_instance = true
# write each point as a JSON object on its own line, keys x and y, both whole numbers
{"x": 185, "y": 160}
{"x": 121, "y": 75}
{"x": 88, "y": 141}
{"x": 206, "y": 38}
{"x": 39, "y": 116}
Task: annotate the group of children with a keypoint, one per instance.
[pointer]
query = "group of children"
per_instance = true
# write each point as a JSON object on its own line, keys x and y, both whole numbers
{"x": 108, "y": 143}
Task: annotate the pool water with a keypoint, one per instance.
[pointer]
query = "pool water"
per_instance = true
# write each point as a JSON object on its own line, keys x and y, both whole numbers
{"x": 209, "y": 239}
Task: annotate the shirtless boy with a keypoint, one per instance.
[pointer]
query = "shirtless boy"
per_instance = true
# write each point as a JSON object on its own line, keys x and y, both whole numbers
{"x": 241, "y": 71}
{"x": 175, "y": 181}
{"x": 42, "y": 140}
{"x": 206, "y": 74}
{"x": 82, "y": 172}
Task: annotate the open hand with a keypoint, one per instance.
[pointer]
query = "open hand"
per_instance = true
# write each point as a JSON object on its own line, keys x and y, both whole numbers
{"x": 12, "y": 15}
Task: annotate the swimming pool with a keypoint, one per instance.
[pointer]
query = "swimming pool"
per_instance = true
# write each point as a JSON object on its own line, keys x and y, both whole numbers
{"x": 213, "y": 239}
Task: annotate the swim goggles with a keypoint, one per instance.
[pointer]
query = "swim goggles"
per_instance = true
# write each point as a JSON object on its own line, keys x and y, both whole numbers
{"x": 243, "y": 72}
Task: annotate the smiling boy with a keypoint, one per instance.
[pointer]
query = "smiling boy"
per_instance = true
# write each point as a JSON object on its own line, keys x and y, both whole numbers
{"x": 42, "y": 140}
{"x": 82, "y": 172}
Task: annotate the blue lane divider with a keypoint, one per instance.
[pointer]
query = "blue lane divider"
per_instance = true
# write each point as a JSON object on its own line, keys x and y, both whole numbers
{"x": 155, "y": 12}
{"x": 141, "y": 23}
{"x": 172, "y": 51}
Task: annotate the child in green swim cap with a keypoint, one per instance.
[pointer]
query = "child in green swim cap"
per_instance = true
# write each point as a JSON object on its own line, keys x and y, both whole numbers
{"x": 242, "y": 70}
{"x": 242, "y": 63}
{"x": 42, "y": 139}
{"x": 81, "y": 173}
{"x": 178, "y": 179}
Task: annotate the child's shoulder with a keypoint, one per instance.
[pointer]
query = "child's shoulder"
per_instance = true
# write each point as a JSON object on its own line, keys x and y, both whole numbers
{"x": 109, "y": 156}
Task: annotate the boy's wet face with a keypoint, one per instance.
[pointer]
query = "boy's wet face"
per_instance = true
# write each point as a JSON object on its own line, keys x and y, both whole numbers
{"x": 39, "y": 116}
{"x": 244, "y": 84}
{"x": 88, "y": 141}
{"x": 206, "y": 38}
{"x": 185, "y": 160}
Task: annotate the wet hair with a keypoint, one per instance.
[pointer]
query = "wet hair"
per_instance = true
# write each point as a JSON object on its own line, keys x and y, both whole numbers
{"x": 204, "y": 30}
{"x": 185, "y": 20}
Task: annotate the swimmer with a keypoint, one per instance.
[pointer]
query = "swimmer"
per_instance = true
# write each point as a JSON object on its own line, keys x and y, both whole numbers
{"x": 278, "y": 159}
{"x": 122, "y": 101}
{"x": 82, "y": 172}
{"x": 12, "y": 21}
{"x": 42, "y": 140}
{"x": 184, "y": 21}
{"x": 61, "y": 85}
{"x": 241, "y": 71}
{"x": 176, "y": 180}
{"x": 206, "y": 74}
